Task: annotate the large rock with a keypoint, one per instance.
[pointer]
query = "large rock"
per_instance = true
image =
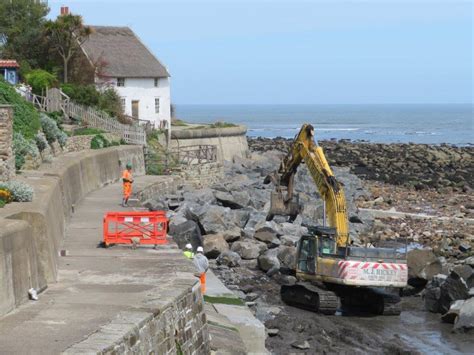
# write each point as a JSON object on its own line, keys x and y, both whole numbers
{"x": 266, "y": 236}
{"x": 239, "y": 217}
{"x": 186, "y": 232}
{"x": 254, "y": 219}
{"x": 465, "y": 319}
{"x": 214, "y": 245}
{"x": 442, "y": 291}
{"x": 269, "y": 260}
{"x": 453, "y": 289}
{"x": 229, "y": 258}
{"x": 155, "y": 204}
{"x": 236, "y": 199}
{"x": 422, "y": 266}
{"x": 215, "y": 219}
{"x": 232, "y": 234}
{"x": 467, "y": 274}
{"x": 248, "y": 249}
{"x": 287, "y": 256}
{"x": 202, "y": 196}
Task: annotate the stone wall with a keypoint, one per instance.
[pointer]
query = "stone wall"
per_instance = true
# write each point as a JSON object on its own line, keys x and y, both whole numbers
{"x": 202, "y": 174}
{"x": 79, "y": 143}
{"x": 230, "y": 142}
{"x": 32, "y": 232}
{"x": 178, "y": 326}
{"x": 7, "y": 159}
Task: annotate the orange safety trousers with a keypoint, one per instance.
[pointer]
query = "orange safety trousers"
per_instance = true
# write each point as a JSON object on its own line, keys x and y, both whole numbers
{"x": 127, "y": 186}
{"x": 202, "y": 278}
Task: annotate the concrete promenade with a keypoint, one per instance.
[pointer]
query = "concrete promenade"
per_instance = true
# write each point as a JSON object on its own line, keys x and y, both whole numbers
{"x": 97, "y": 287}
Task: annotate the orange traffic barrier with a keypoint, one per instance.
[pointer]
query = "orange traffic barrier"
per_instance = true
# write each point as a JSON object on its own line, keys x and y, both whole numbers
{"x": 135, "y": 228}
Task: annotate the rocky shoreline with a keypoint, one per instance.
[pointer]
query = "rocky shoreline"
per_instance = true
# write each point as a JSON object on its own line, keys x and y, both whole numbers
{"x": 250, "y": 255}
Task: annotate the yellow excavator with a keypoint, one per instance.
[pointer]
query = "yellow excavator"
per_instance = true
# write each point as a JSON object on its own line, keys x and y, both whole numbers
{"x": 331, "y": 272}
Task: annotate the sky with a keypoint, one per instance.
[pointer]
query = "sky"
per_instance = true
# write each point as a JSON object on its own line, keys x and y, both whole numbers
{"x": 301, "y": 52}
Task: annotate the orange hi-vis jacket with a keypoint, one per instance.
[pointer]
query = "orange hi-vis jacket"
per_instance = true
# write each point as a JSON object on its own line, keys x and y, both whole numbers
{"x": 127, "y": 183}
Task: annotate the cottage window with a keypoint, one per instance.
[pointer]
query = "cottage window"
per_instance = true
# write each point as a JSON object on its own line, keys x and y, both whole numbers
{"x": 157, "y": 105}
{"x": 123, "y": 101}
{"x": 120, "y": 81}
{"x": 156, "y": 82}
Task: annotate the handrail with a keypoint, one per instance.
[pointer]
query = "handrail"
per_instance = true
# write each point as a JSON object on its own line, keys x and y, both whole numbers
{"x": 89, "y": 116}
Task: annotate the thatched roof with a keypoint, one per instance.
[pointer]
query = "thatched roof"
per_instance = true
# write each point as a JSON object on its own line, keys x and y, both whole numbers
{"x": 124, "y": 53}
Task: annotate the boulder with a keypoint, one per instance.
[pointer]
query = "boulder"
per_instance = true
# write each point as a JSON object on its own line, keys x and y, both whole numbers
{"x": 465, "y": 320}
{"x": 269, "y": 260}
{"x": 232, "y": 234}
{"x": 155, "y": 205}
{"x": 254, "y": 219}
{"x": 214, "y": 245}
{"x": 422, "y": 266}
{"x": 453, "y": 289}
{"x": 265, "y": 236}
{"x": 215, "y": 219}
{"x": 432, "y": 293}
{"x": 287, "y": 256}
{"x": 201, "y": 196}
{"x": 248, "y": 249}
{"x": 229, "y": 258}
{"x": 289, "y": 240}
{"x": 469, "y": 261}
{"x": 467, "y": 274}
{"x": 236, "y": 199}
{"x": 291, "y": 229}
{"x": 186, "y": 232}
{"x": 453, "y": 312}
{"x": 238, "y": 217}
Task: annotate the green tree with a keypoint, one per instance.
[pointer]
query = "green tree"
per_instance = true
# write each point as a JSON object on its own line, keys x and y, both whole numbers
{"x": 66, "y": 35}
{"x": 21, "y": 31}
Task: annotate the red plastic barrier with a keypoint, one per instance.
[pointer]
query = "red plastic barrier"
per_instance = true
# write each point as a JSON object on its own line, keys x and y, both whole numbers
{"x": 143, "y": 227}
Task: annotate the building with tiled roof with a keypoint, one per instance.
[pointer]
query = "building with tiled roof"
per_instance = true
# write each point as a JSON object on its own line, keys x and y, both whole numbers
{"x": 9, "y": 70}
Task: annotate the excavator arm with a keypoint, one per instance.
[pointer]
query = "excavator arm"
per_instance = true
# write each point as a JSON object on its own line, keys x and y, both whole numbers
{"x": 305, "y": 149}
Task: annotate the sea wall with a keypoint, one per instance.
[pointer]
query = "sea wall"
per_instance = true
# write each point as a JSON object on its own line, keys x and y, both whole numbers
{"x": 230, "y": 141}
{"x": 32, "y": 233}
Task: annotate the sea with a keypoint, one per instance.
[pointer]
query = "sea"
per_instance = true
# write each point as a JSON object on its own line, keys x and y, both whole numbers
{"x": 403, "y": 123}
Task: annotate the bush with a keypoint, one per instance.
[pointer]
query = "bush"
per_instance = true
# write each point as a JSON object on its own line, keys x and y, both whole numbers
{"x": 20, "y": 191}
{"x": 40, "y": 80}
{"x": 58, "y": 117}
{"x": 86, "y": 131}
{"x": 41, "y": 141}
{"x": 2, "y": 204}
{"x": 5, "y": 195}
{"x": 99, "y": 142}
{"x": 109, "y": 102}
{"x": 21, "y": 148}
{"x": 51, "y": 129}
{"x": 25, "y": 118}
{"x": 62, "y": 138}
{"x": 82, "y": 94}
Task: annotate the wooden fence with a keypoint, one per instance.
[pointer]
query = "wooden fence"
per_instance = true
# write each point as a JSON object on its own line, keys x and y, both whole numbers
{"x": 56, "y": 100}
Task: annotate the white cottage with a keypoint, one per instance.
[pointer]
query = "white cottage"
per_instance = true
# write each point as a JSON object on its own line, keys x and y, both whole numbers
{"x": 125, "y": 63}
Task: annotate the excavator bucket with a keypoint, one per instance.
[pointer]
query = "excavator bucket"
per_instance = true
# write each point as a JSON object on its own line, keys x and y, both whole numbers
{"x": 278, "y": 206}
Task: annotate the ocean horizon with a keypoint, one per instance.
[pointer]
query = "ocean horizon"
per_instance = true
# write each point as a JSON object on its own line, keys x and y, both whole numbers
{"x": 378, "y": 123}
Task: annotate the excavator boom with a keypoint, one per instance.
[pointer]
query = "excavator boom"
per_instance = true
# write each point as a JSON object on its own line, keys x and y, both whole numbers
{"x": 305, "y": 149}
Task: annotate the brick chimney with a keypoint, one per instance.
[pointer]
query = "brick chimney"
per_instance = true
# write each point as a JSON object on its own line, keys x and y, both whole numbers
{"x": 64, "y": 10}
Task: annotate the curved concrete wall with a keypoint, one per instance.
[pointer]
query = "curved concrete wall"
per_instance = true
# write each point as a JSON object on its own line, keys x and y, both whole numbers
{"x": 32, "y": 233}
{"x": 230, "y": 141}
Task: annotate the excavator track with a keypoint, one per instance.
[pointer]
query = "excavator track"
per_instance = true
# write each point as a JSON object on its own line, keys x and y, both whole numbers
{"x": 310, "y": 297}
{"x": 372, "y": 300}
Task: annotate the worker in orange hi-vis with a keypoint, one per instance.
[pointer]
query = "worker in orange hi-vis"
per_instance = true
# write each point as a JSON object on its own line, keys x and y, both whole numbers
{"x": 127, "y": 181}
{"x": 202, "y": 265}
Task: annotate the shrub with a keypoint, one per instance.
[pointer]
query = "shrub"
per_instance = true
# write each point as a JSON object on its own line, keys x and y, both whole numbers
{"x": 25, "y": 118}
{"x": 58, "y": 117}
{"x": 41, "y": 141}
{"x": 40, "y": 80}
{"x": 22, "y": 147}
{"x": 82, "y": 94}
{"x": 109, "y": 102}
{"x": 2, "y": 204}
{"x": 21, "y": 192}
{"x": 50, "y": 128}
{"x": 5, "y": 195}
{"x": 62, "y": 139}
{"x": 85, "y": 131}
{"x": 99, "y": 142}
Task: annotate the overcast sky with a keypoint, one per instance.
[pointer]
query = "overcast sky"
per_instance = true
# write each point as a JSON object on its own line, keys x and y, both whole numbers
{"x": 292, "y": 52}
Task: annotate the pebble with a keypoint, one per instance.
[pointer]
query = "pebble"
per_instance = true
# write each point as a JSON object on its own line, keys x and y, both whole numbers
{"x": 301, "y": 346}
{"x": 272, "y": 332}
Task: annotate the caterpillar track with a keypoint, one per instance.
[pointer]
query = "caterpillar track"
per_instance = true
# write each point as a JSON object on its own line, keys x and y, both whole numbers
{"x": 310, "y": 297}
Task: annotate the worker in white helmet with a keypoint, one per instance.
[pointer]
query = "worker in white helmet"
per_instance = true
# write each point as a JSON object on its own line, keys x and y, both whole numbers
{"x": 188, "y": 251}
{"x": 202, "y": 265}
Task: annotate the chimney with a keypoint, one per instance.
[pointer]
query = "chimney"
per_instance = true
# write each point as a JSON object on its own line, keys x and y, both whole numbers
{"x": 64, "y": 10}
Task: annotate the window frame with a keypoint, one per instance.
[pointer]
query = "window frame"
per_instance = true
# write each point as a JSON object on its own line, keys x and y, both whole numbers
{"x": 158, "y": 100}
{"x": 156, "y": 82}
{"x": 121, "y": 82}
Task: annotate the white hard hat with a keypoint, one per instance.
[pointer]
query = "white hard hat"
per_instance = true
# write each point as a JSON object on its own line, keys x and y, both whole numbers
{"x": 188, "y": 246}
{"x": 200, "y": 250}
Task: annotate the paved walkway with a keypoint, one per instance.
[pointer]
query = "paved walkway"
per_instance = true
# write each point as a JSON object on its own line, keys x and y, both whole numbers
{"x": 94, "y": 284}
